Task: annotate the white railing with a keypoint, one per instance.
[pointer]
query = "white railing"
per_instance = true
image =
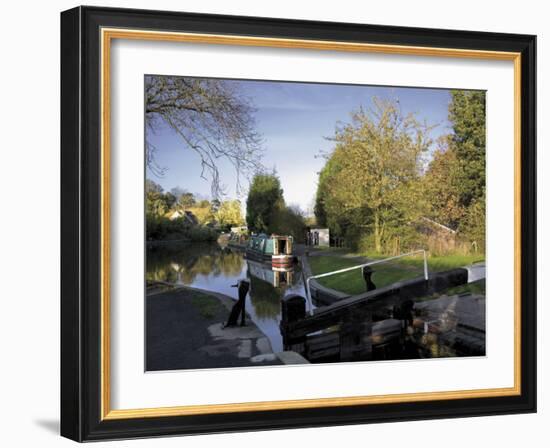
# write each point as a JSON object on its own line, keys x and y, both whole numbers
{"x": 361, "y": 266}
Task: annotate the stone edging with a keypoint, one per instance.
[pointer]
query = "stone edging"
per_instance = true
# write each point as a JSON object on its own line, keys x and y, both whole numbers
{"x": 318, "y": 292}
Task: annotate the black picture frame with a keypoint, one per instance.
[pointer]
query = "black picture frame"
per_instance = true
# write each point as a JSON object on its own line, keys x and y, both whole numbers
{"x": 81, "y": 224}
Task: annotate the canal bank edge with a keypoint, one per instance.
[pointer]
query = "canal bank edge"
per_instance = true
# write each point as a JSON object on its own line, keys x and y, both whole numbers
{"x": 239, "y": 342}
{"x": 321, "y": 294}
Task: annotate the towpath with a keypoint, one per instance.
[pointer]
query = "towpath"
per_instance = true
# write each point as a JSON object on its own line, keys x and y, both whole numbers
{"x": 185, "y": 331}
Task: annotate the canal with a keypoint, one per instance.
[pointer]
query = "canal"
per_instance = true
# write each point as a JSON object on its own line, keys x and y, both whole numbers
{"x": 211, "y": 267}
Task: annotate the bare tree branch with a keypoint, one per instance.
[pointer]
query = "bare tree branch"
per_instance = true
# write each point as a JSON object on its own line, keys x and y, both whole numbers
{"x": 212, "y": 119}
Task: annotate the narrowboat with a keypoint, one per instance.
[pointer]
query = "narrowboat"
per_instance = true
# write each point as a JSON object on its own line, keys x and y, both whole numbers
{"x": 274, "y": 249}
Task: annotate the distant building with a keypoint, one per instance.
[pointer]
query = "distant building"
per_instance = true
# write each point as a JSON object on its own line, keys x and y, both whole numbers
{"x": 318, "y": 237}
{"x": 176, "y": 214}
{"x": 188, "y": 216}
{"x": 191, "y": 218}
{"x": 239, "y": 230}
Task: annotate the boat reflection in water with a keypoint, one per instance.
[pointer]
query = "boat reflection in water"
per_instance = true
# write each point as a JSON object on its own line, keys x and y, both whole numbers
{"x": 273, "y": 274}
{"x": 276, "y": 276}
{"x": 269, "y": 286}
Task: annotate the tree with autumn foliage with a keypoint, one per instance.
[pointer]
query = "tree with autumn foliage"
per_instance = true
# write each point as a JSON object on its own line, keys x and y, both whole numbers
{"x": 370, "y": 184}
{"x": 442, "y": 186}
{"x": 229, "y": 214}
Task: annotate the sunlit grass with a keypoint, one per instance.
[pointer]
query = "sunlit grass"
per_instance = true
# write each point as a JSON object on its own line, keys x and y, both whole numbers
{"x": 384, "y": 273}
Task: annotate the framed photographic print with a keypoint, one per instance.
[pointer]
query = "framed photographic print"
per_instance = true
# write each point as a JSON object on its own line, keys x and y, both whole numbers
{"x": 273, "y": 223}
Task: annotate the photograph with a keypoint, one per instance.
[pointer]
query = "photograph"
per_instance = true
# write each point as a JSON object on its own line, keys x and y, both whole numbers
{"x": 305, "y": 223}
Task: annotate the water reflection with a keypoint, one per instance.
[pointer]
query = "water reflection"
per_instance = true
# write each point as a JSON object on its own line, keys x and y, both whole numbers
{"x": 214, "y": 268}
{"x": 182, "y": 264}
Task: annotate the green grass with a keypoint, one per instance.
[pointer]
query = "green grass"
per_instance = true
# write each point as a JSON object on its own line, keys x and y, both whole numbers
{"x": 472, "y": 288}
{"x": 385, "y": 273}
{"x": 207, "y": 306}
{"x": 443, "y": 262}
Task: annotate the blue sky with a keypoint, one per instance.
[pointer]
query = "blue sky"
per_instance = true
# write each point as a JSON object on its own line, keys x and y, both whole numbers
{"x": 294, "y": 119}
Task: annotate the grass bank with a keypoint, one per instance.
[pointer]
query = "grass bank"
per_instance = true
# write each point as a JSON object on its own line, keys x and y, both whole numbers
{"x": 385, "y": 273}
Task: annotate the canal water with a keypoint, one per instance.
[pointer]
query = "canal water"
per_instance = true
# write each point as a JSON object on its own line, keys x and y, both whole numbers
{"x": 212, "y": 267}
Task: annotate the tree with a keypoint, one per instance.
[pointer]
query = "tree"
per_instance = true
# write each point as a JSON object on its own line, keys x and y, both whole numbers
{"x": 442, "y": 186}
{"x": 265, "y": 198}
{"x": 329, "y": 213}
{"x": 371, "y": 182}
{"x": 177, "y": 192}
{"x": 186, "y": 200}
{"x": 215, "y": 205}
{"x": 170, "y": 200}
{"x": 212, "y": 118}
{"x": 289, "y": 221}
{"x": 472, "y": 227}
{"x": 229, "y": 214}
{"x": 155, "y": 200}
{"x": 152, "y": 187}
{"x": 203, "y": 212}
{"x": 467, "y": 116}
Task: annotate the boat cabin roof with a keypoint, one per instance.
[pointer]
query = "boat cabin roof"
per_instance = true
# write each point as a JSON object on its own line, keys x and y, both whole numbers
{"x": 271, "y": 244}
{"x": 264, "y": 236}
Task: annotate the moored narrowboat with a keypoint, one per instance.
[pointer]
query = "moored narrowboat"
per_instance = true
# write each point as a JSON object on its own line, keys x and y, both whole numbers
{"x": 275, "y": 249}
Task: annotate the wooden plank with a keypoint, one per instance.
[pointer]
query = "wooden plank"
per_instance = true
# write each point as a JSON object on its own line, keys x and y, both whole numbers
{"x": 392, "y": 294}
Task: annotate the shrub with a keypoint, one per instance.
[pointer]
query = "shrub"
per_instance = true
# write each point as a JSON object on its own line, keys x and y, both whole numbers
{"x": 161, "y": 228}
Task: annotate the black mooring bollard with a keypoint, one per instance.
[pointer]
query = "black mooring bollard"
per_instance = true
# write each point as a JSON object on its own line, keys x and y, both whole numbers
{"x": 293, "y": 309}
{"x": 404, "y": 312}
{"x": 239, "y": 307}
{"x": 367, "y": 276}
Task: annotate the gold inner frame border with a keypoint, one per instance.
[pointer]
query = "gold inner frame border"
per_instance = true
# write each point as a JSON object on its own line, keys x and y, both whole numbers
{"x": 107, "y": 35}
